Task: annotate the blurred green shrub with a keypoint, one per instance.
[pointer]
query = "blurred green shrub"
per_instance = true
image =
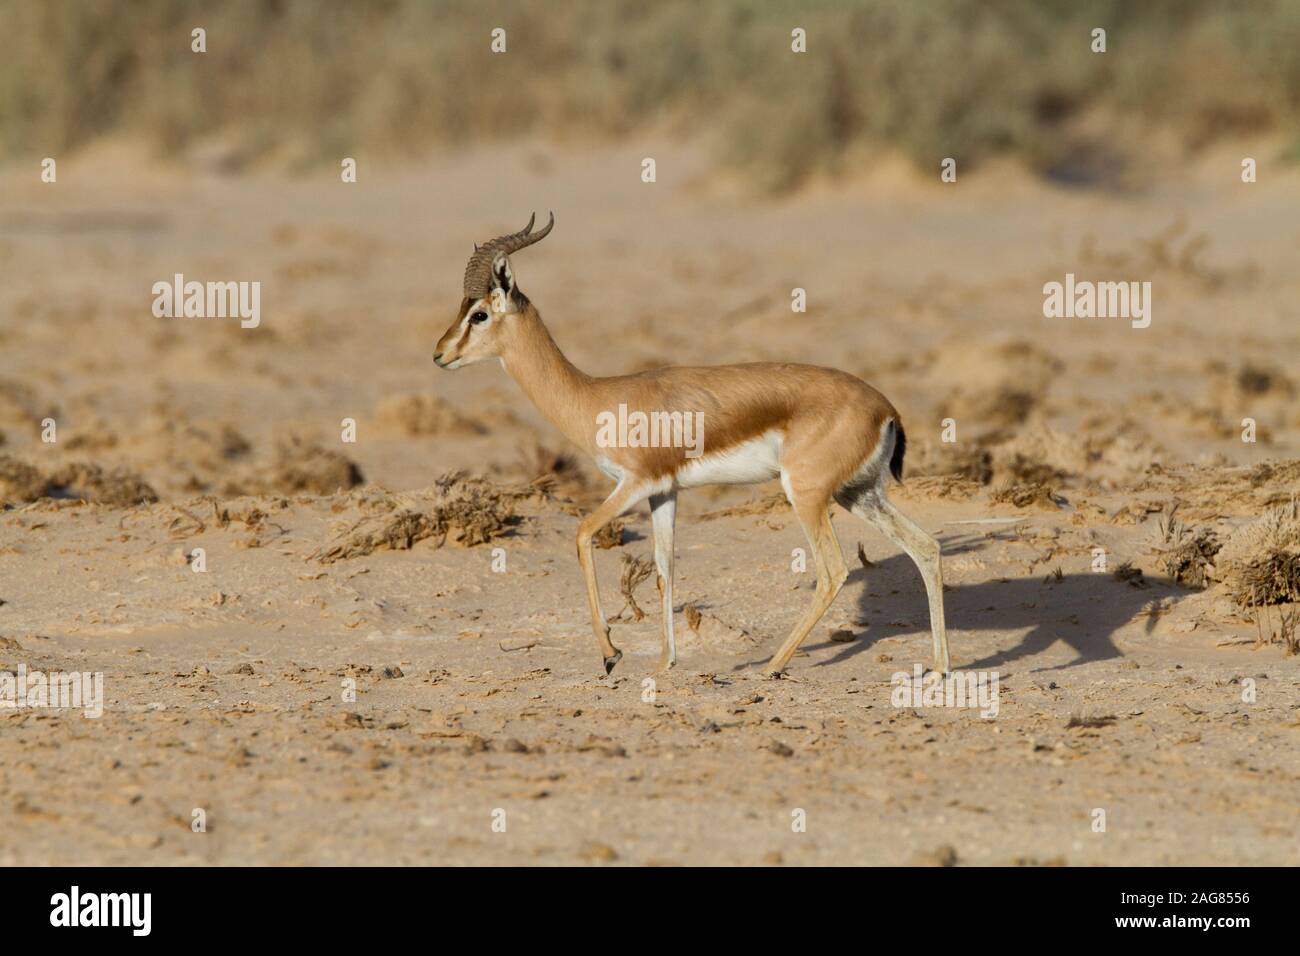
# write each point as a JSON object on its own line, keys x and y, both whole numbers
{"x": 967, "y": 78}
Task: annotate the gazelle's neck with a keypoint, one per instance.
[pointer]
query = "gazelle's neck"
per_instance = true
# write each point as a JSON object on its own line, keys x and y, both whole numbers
{"x": 556, "y": 386}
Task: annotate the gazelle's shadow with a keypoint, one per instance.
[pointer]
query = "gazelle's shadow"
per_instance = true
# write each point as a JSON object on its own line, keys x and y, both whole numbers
{"x": 1082, "y": 611}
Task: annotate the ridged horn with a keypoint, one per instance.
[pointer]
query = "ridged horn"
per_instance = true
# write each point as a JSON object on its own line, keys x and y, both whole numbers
{"x": 478, "y": 273}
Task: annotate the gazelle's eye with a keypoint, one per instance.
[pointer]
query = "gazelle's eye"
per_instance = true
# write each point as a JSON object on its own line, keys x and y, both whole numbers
{"x": 478, "y": 317}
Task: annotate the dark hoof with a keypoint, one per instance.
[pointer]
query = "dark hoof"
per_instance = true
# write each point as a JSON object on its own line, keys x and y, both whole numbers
{"x": 611, "y": 661}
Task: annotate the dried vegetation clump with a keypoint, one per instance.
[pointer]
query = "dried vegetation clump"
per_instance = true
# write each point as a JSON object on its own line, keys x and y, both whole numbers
{"x": 635, "y": 572}
{"x": 458, "y": 509}
{"x": 781, "y": 120}
{"x": 610, "y": 535}
{"x": 1186, "y": 553}
{"x": 1033, "y": 494}
{"x": 1128, "y": 574}
{"x": 1260, "y": 563}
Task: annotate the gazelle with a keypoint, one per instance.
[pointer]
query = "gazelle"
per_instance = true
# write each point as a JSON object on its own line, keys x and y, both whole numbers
{"x": 828, "y": 435}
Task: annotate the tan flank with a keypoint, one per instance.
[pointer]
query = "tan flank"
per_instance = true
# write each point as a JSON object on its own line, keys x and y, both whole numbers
{"x": 827, "y": 435}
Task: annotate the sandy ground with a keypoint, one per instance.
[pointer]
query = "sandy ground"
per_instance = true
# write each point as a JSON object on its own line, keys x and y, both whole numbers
{"x": 479, "y": 697}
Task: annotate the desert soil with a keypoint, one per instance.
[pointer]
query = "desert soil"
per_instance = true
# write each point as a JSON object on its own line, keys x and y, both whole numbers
{"x": 479, "y": 695}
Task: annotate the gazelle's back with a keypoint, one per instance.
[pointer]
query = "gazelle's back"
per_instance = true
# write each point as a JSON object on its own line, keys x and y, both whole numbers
{"x": 739, "y": 405}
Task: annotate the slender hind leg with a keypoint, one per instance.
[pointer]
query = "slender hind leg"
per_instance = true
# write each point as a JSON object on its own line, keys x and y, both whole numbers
{"x": 628, "y": 493}
{"x": 924, "y": 551}
{"x": 663, "y": 513}
{"x": 811, "y": 509}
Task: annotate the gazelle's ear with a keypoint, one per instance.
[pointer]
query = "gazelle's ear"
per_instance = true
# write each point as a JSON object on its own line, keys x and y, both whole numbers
{"x": 502, "y": 276}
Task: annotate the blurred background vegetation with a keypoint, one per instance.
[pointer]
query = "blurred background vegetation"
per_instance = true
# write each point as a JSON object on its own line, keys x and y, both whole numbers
{"x": 300, "y": 81}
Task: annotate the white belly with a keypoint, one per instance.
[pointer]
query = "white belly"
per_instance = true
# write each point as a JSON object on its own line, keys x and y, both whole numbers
{"x": 758, "y": 459}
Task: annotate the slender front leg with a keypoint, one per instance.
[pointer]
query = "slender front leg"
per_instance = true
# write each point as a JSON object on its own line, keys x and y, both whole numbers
{"x": 831, "y": 575}
{"x": 663, "y": 512}
{"x": 628, "y": 493}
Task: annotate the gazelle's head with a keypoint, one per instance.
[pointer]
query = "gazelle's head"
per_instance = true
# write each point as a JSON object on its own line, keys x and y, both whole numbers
{"x": 492, "y": 301}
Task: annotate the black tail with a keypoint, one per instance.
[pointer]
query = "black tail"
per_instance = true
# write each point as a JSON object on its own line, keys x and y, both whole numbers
{"x": 900, "y": 449}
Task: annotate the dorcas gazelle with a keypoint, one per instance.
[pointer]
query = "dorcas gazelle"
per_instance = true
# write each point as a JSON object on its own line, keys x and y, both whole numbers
{"x": 826, "y": 434}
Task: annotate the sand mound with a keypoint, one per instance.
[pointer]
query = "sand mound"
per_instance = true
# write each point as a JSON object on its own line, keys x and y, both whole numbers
{"x": 20, "y": 406}
{"x": 999, "y": 384}
{"x": 1283, "y": 474}
{"x": 1252, "y": 379}
{"x": 85, "y": 481}
{"x": 1245, "y": 383}
{"x": 1260, "y": 563}
{"x": 120, "y": 487}
{"x": 19, "y": 481}
{"x": 1210, "y": 491}
{"x": 188, "y": 457}
{"x": 200, "y": 452}
{"x": 304, "y": 468}
{"x": 1036, "y": 454}
{"x": 418, "y": 415}
{"x": 557, "y": 472}
{"x": 928, "y": 458}
{"x": 1039, "y": 454}
{"x": 465, "y": 511}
